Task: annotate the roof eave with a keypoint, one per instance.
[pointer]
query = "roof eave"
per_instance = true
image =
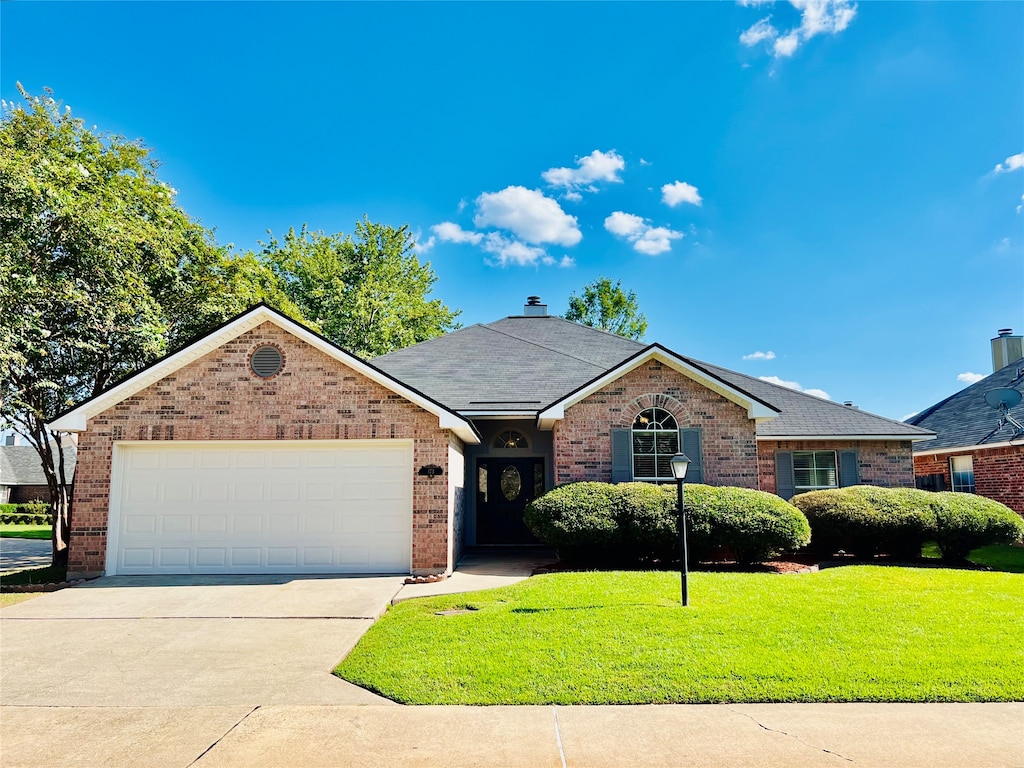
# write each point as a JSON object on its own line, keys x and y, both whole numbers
{"x": 902, "y": 438}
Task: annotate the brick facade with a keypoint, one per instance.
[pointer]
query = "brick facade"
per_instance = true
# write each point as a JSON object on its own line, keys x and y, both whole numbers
{"x": 217, "y": 397}
{"x": 582, "y": 440}
{"x": 886, "y": 463}
{"x": 998, "y": 472}
{"x": 23, "y": 494}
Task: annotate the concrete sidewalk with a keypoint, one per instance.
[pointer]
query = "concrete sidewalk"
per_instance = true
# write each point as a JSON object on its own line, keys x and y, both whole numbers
{"x": 484, "y": 568}
{"x": 730, "y": 736}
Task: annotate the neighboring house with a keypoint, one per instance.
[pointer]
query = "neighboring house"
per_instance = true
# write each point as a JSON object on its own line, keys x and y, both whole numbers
{"x": 263, "y": 447}
{"x": 978, "y": 448}
{"x": 21, "y": 473}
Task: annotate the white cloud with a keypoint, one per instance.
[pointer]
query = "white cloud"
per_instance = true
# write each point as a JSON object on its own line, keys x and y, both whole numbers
{"x": 645, "y": 162}
{"x": 795, "y": 385}
{"x": 450, "y": 232}
{"x": 759, "y": 355}
{"x": 567, "y": 262}
{"x": 426, "y": 245}
{"x": 528, "y": 214}
{"x": 597, "y": 166}
{"x": 1012, "y": 163}
{"x": 817, "y": 17}
{"x": 573, "y": 196}
{"x": 679, "y": 192}
{"x": 645, "y": 238}
{"x": 1021, "y": 206}
{"x": 624, "y": 224}
{"x": 513, "y": 251}
{"x": 967, "y": 377}
{"x": 762, "y": 30}
{"x": 787, "y": 44}
{"x": 824, "y": 16}
{"x": 909, "y": 415}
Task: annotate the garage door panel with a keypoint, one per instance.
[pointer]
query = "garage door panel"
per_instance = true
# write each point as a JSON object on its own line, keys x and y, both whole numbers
{"x": 252, "y": 508}
{"x": 209, "y": 459}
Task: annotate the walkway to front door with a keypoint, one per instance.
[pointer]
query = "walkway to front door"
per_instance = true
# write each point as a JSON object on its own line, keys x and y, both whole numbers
{"x": 506, "y": 486}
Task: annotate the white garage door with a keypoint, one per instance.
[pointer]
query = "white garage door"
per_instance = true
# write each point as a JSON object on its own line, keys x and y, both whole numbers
{"x": 261, "y": 507}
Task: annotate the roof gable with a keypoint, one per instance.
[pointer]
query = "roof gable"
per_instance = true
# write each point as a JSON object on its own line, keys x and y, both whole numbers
{"x": 756, "y": 408}
{"x": 76, "y": 418}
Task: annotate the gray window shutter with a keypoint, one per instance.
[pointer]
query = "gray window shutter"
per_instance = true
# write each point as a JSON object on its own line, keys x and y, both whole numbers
{"x": 690, "y": 440}
{"x": 848, "y": 469}
{"x": 784, "y": 474}
{"x": 622, "y": 455}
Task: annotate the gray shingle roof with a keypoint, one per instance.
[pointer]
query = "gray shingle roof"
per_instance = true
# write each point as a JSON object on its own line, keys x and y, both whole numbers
{"x": 522, "y": 364}
{"x": 19, "y": 464}
{"x": 803, "y": 415}
{"x": 965, "y": 419}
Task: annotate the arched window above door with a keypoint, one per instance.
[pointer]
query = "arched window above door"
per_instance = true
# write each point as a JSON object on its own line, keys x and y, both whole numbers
{"x": 510, "y": 439}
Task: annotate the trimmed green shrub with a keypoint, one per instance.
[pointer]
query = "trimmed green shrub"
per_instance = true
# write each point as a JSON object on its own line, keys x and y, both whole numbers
{"x": 867, "y": 520}
{"x": 636, "y": 522}
{"x": 578, "y": 519}
{"x": 965, "y": 521}
{"x": 905, "y": 519}
{"x": 754, "y": 525}
{"x": 32, "y": 513}
{"x": 648, "y": 521}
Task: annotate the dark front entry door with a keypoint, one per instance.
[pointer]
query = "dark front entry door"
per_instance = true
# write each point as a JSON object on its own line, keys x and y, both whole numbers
{"x": 504, "y": 488}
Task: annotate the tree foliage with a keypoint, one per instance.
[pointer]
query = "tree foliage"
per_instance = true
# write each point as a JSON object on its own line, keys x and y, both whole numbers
{"x": 367, "y": 292}
{"x": 609, "y": 308}
{"x": 99, "y": 272}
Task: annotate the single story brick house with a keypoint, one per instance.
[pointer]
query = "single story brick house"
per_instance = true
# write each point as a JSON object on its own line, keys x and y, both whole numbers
{"x": 21, "y": 474}
{"x": 978, "y": 448}
{"x": 264, "y": 448}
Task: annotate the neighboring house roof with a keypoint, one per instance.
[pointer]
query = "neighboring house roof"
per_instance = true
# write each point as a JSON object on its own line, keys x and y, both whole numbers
{"x": 523, "y": 365}
{"x": 75, "y": 418}
{"x": 20, "y": 464}
{"x": 965, "y": 420}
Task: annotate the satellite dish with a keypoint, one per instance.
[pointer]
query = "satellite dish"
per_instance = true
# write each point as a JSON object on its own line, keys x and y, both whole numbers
{"x": 1003, "y": 397}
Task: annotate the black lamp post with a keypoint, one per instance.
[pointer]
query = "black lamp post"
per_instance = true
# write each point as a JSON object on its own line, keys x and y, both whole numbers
{"x": 680, "y": 463}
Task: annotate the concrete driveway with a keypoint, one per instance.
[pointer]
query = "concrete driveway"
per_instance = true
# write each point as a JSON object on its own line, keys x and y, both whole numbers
{"x": 189, "y": 641}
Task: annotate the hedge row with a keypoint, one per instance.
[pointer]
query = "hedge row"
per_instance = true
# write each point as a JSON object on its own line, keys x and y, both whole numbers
{"x": 866, "y": 521}
{"x": 31, "y": 513}
{"x": 636, "y": 522}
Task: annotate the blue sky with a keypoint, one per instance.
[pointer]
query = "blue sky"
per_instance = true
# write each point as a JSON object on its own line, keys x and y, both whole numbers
{"x": 835, "y": 185}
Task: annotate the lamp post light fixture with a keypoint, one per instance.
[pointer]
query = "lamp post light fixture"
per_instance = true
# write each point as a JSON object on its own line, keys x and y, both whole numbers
{"x": 680, "y": 463}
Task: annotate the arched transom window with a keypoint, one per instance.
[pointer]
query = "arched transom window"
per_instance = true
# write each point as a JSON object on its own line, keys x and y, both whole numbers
{"x": 510, "y": 439}
{"x": 655, "y": 442}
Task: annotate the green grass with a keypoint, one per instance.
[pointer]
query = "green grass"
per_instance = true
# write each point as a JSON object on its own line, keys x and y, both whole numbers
{"x": 45, "y": 575}
{"x": 14, "y": 598}
{"x": 26, "y": 531}
{"x": 998, "y": 557}
{"x": 862, "y": 633}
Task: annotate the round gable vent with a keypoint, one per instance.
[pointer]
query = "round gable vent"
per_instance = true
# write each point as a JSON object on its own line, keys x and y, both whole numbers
{"x": 266, "y": 361}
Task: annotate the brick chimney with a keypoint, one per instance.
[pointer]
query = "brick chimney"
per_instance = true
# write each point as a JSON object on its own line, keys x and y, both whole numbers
{"x": 1006, "y": 348}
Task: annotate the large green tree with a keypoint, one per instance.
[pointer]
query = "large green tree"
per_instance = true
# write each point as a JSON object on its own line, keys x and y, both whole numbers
{"x": 367, "y": 292}
{"x": 100, "y": 273}
{"x": 609, "y": 308}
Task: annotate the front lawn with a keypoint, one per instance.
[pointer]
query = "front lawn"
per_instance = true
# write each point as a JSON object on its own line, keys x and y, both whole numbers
{"x": 864, "y": 633}
{"x": 26, "y": 531}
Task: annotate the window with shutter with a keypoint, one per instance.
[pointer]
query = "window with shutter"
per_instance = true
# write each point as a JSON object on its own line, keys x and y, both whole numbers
{"x": 655, "y": 442}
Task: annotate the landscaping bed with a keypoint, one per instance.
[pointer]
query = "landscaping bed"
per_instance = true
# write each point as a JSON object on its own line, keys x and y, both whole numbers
{"x": 860, "y": 633}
